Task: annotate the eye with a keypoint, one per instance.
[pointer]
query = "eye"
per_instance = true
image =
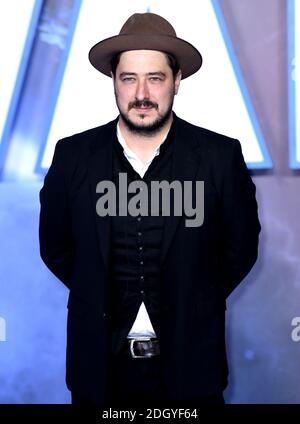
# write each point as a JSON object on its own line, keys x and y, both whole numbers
{"x": 155, "y": 79}
{"x": 128, "y": 79}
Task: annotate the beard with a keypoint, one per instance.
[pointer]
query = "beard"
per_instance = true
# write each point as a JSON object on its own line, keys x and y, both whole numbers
{"x": 143, "y": 129}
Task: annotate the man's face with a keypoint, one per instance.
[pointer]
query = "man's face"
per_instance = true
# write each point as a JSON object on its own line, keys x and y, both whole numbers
{"x": 145, "y": 89}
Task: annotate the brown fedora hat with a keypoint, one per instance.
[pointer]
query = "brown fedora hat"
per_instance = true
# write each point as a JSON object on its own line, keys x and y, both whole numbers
{"x": 146, "y": 31}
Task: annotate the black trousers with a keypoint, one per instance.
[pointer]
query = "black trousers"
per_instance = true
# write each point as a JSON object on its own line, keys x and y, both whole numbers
{"x": 137, "y": 382}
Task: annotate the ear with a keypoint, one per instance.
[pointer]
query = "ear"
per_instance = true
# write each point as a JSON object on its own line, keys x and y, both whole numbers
{"x": 177, "y": 81}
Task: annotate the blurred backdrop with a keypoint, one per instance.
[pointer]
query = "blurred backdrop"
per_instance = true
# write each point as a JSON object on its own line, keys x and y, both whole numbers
{"x": 247, "y": 88}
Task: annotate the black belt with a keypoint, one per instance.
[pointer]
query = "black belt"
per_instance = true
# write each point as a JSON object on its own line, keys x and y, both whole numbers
{"x": 143, "y": 347}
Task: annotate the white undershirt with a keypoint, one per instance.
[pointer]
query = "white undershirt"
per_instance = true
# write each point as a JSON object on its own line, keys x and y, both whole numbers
{"x": 142, "y": 326}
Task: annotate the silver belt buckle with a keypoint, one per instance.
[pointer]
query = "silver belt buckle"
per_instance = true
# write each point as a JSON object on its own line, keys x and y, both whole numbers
{"x": 131, "y": 344}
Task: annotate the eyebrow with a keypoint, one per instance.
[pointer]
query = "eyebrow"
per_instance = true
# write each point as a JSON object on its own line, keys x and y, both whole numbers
{"x": 127, "y": 73}
{"x": 161, "y": 74}
{"x": 158, "y": 73}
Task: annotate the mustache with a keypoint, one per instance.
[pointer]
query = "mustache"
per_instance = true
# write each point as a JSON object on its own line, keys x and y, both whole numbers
{"x": 142, "y": 103}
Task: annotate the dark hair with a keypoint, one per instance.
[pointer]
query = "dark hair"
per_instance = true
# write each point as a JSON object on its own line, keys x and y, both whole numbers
{"x": 172, "y": 62}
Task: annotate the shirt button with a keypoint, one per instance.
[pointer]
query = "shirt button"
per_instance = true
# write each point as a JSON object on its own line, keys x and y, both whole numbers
{"x": 139, "y": 233}
{"x": 140, "y": 248}
{"x": 142, "y": 277}
{"x": 139, "y": 218}
{"x": 141, "y": 262}
{"x": 142, "y": 292}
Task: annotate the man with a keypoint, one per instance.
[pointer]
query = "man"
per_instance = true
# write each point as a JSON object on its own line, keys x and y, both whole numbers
{"x": 147, "y": 290}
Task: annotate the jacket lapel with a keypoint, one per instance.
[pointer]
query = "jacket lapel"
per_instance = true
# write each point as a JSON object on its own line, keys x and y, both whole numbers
{"x": 99, "y": 169}
{"x": 186, "y": 160}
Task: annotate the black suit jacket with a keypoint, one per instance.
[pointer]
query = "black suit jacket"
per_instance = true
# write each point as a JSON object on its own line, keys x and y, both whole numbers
{"x": 200, "y": 266}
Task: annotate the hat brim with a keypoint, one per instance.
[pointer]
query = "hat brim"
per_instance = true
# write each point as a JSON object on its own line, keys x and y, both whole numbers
{"x": 188, "y": 57}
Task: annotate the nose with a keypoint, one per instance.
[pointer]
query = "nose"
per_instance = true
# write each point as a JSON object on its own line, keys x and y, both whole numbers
{"x": 142, "y": 91}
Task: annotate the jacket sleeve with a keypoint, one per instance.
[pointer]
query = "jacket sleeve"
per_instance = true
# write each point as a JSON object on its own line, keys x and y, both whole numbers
{"x": 240, "y": 223}
{"x": 56, "y": 245}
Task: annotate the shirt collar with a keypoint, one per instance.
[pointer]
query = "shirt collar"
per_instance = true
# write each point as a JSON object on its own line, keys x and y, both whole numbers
{"x": 129, "y": 153}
